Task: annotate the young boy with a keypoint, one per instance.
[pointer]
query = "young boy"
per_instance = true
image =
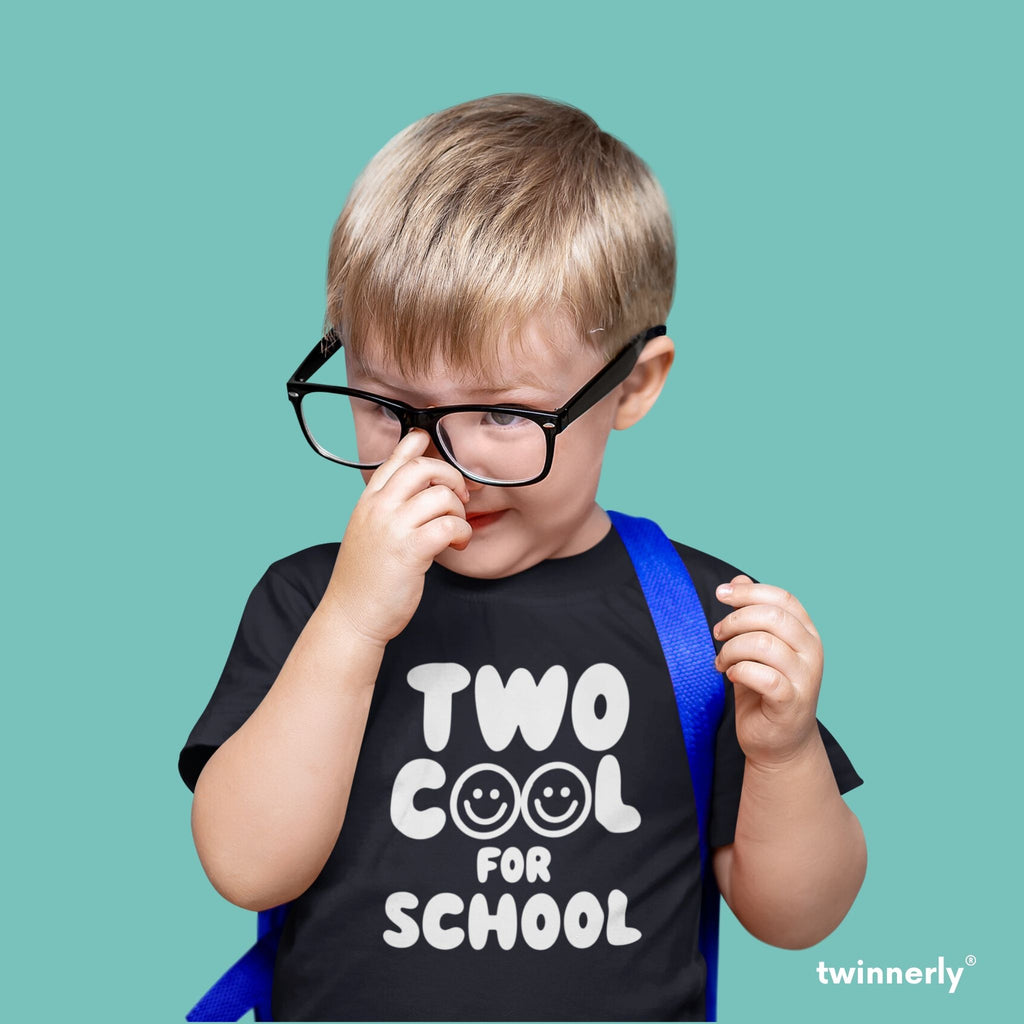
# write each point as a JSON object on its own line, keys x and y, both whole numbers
{"x": 451, "y": 740}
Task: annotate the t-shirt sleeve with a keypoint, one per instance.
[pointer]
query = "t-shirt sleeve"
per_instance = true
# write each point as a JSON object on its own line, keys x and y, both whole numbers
{"x": 707, "y": 573}
{"x": 275, "y": 614}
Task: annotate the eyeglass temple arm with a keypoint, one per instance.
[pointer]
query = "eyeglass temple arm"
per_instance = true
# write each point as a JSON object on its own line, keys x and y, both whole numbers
{"x": 322, "y": 351}
{"x": 612, "y": 376}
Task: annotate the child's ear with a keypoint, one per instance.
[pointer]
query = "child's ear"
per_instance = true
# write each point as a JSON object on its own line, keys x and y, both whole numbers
{"x": 644, "y": 384}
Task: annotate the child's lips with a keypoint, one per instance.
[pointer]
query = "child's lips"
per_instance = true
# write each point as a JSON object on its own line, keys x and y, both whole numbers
{"x": 478, "y": 520}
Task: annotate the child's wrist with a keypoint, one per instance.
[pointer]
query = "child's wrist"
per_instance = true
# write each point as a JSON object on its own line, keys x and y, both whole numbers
{"x": 342, "y": 628}
{"x": 808, "y": 754}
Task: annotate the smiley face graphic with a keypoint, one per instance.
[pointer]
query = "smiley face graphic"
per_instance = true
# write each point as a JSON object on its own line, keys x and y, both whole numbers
{"x": 485, "y": 801}
{"x": 556, "y": 799}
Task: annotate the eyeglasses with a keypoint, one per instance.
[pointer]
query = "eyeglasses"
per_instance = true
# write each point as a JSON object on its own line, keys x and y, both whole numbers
{"x": 501, "y": 445}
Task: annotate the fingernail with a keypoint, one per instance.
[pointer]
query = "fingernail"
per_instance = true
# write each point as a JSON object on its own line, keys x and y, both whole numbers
{"x": 724, "y": 590}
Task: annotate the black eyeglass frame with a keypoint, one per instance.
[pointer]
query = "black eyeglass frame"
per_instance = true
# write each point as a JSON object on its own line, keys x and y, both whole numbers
{"x": 553, "y": 423}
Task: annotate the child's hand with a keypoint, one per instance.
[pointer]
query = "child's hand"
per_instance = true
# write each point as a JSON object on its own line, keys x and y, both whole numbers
{"x": 772, "y": 653}
{"x": 412, "y": 509}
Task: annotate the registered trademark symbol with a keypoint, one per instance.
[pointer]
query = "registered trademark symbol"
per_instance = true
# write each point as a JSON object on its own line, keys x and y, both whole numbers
{"x": 970, "y": 960}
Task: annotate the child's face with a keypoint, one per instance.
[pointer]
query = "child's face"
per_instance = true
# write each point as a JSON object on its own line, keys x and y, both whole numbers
{"x": 557, "y": 516}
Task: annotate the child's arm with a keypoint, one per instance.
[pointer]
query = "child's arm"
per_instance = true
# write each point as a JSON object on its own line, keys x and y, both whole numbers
{"x": 798, "y": 857}
{"x": 269, "y": 804}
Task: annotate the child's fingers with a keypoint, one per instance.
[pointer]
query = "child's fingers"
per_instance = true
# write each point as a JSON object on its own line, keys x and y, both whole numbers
{"x": 770, "y": 618}
{"x": 421, "y": 472}
{"x": 774, "y": 690}
{"x": 433, "y": 502}
{"x": 769, "y": 683}
{"x": 741, "y": 591}
{"x": 414, "y": 443}
{"x": 762, "y": 649}
{"x": 444, "y": 531}
{"x": 407, "y": 470}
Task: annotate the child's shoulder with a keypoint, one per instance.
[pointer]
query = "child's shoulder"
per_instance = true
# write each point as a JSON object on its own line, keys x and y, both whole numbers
{"x": 708, "y": 572}
{"x": 700, "y": 563}
{"x": 307, "y": 571}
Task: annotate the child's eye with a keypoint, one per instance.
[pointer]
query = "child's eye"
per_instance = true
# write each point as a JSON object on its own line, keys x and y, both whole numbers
{"x": 388, "y": 413}
{"x": 504, "y": 419}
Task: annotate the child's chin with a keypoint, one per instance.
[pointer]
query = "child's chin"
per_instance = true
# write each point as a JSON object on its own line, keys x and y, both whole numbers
{"x": 488, "y": 561}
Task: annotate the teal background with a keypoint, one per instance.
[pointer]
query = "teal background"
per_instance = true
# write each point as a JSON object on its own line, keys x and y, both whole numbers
{"x": 842, "y": 420}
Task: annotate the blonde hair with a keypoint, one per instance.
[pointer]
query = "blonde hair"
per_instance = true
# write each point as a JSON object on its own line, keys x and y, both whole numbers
{"x": 483, "y": 216}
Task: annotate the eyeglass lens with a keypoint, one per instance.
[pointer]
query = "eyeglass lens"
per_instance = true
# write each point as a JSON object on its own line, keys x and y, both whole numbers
{"x": 492, "y": 445}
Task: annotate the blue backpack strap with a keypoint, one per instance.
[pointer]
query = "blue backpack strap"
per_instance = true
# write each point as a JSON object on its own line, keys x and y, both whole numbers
{"x": 246, "y": 985}
{"x": 700, "y": 694}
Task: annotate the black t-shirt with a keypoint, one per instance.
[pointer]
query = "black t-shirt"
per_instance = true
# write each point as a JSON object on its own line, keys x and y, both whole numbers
{"x": 520, "y": 841}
